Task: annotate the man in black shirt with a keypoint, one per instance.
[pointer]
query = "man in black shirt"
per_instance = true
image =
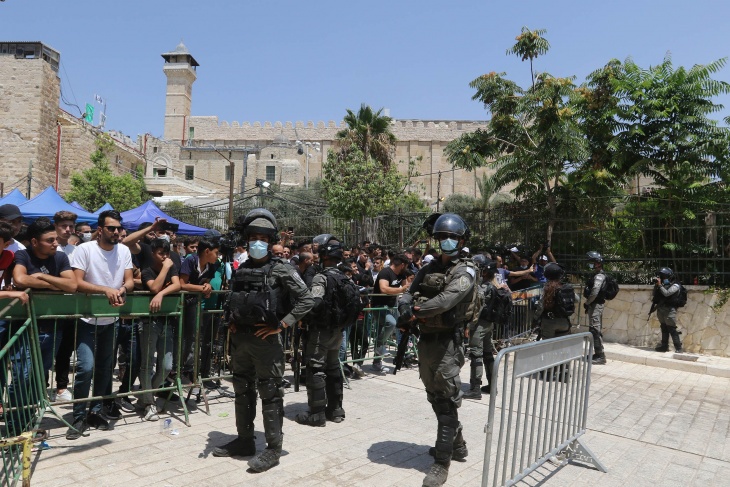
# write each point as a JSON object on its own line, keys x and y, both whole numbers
{"x": 389, "y": 282}
{"x": 42, "y": 267}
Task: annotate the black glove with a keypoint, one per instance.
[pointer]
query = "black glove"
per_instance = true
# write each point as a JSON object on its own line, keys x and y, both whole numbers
{"x": 406, "y": 313}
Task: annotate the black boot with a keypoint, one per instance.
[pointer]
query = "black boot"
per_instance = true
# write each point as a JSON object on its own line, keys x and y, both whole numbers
{"x": 273, "y": 413}
{"x": 459, "y": 452}
{"x": 333, "y": 386}
{"x": 474, "y": 391}
{"x": 437, "y": 475}
{"x": 317, "y": 401}
{"x": 662, "y": 347}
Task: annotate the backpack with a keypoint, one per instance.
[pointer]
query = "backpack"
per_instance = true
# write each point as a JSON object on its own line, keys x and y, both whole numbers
{"x": 564, "y": 301}
{"x": 679, "y": 299}
{"x": 341, "y": 300}
{"x": 497, "y": 305}
{"x": 609, "y": 288}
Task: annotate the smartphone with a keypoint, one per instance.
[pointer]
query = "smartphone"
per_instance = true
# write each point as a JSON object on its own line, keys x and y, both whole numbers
{"x": 291, "y": 229}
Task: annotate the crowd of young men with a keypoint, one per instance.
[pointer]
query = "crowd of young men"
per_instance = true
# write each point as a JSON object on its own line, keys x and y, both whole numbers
{"x": 274, "y": 284}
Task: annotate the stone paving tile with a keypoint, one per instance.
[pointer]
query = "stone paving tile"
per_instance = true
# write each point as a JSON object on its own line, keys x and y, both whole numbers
{"x": 650, "y": 426}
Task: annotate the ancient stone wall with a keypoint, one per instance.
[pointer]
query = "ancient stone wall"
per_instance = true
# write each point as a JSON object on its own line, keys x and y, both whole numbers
{"x": 704, "y": 329}
{"x": 29, "y": 96}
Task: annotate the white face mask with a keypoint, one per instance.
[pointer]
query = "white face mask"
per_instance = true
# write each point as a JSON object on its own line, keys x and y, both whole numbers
{"x": 165, "y": 237}
{"x": 86, "y": 236}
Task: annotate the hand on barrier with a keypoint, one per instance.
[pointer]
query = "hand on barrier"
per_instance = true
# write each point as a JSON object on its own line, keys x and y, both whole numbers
{"x": 116, "y": 297}
{"x": 207, "y": 289}
{"x": 232, "y": 327}
{"x": 20, "y": 295}
{"x": 156, "y": 303}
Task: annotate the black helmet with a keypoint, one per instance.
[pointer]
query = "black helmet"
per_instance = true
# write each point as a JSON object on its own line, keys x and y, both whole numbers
{"x": 554, "y": 271}
{"x": 322, "y": 239}
{"x": 484, "y": 264}
{"x": 451, "y": 223}
{"x": 329, "y": 246}
{"x": 258, "y": 220}
{"x": 594, "y": 256}
{"x": 665, "y": 273}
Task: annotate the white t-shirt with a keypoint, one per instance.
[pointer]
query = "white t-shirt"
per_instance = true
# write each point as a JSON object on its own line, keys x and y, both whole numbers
{"x": 15, "y": 246}
{"x": 102, "y": 268}
{"x": 68, "y": 249}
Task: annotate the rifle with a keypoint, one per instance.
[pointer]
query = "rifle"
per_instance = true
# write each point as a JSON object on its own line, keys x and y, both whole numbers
{"x": 651, "y": 310}
{"x": 296, "y": 360}
{"x": 410, "y": 328}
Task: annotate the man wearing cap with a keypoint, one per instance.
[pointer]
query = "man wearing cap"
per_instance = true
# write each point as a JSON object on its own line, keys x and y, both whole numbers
{"x": 11, "y": 214}
{"x": 267, "y": 296}
{"x": 542, "y": 260}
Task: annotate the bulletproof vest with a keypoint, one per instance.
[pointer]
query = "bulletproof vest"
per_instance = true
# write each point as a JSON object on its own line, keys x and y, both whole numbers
{"x": 465, "y": 311}
{"x": 590, "y": 282}
{"x": 256, "y": 296}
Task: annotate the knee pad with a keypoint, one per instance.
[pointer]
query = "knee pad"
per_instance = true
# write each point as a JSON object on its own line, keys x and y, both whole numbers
{"x": 270, "y": 390}
{"x": 443, "y": 407}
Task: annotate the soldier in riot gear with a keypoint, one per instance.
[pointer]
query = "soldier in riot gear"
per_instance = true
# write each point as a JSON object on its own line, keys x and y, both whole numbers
{"x": 267, "y": 296}
{"x": 441, "y": 302}
{"x": 593, "y": 305}
{"x": 666, "y": 290}
{"x": 553, "y": 320}
{"x": 481, "y": 350}
{"x": 324, "y": 337}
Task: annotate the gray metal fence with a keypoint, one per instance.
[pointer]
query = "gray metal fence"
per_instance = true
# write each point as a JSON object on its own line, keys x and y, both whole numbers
{"x": 538, "y": 408}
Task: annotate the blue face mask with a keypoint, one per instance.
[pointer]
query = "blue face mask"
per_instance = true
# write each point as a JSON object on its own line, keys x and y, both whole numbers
{"x": 666, "y": 282}
{"x": 258, "y": 249}
{"x": 448, "y": 246}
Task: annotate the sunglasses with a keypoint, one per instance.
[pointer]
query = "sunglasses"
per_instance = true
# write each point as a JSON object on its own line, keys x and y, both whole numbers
{"x": 113, "y": 229}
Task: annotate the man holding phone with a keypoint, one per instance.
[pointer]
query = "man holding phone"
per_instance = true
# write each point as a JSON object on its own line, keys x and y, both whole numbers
{"x": 101, "y": 266}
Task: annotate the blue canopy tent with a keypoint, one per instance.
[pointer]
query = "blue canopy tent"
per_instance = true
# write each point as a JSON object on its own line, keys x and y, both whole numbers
{"x": 147, "y": 212}
{"x": 48, "y": 203}
{"x": 15, "y": 197}
{"x": 76, "y": 204}
{"x": 105, "y": 207}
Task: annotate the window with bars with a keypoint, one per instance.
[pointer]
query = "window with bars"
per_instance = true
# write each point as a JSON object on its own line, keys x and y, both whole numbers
{"x": 271, "y": 173}
{"x": 189, "y": 173}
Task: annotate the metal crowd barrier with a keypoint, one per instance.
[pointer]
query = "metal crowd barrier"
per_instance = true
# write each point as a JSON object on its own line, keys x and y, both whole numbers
{"x": 520, "y": 327}
{"x": 23, "y": 391}
{"x": 211, "y": 362}
{"x": 542, "y": 397}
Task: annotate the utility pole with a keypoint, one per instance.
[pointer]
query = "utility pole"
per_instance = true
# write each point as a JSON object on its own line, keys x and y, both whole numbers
{"x": 230, "y": 192}
{"x": 30, "y": 177}
{"x": 438, "y": 192}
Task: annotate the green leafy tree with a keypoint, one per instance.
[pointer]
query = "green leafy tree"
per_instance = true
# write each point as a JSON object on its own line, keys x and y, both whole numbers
{"x": 530, "y": 44}
{"x": 98, "y": 185}
{"x": 370, "y": 132}
{"x": 359, "y": 188}
{"x": 665, "y": 131}
{"x": 533, "y": 139}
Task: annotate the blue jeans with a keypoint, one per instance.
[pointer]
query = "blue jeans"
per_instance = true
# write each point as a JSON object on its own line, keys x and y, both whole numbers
{"x": 94, "y": 355}
{"x": 155, "y": 337}
{"x": 386, "y": 327}
{"x": 49, "y": 337}
{"x": 18, "y": 381}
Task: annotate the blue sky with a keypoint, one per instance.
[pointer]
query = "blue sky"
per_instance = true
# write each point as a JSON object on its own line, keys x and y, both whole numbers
{"x": 295, "y": 60}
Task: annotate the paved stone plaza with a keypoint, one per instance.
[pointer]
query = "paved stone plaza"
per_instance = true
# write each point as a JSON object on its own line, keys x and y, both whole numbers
{"x": 650, "y": 425}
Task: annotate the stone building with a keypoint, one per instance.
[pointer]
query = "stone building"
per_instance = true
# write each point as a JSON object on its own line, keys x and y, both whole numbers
{"x": 37, "y": 136}
{"x": 200, "y": 155}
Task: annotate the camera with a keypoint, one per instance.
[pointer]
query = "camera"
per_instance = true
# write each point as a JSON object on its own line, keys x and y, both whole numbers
{"x": 228, "y": 243}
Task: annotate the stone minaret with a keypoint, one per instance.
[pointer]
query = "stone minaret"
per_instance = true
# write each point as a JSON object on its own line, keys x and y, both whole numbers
{"x": 179, "y": 68}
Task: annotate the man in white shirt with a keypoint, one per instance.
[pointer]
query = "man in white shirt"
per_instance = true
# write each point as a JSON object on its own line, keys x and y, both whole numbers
{"x": 65, "y": 223}
{"x": 11, "y": 214}
{"x": 101, "y": 267}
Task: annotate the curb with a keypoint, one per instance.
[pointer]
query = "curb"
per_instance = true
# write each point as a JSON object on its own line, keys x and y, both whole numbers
{"x": 686, "y": 362}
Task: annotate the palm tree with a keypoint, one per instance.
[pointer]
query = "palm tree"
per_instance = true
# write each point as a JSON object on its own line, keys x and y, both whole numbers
{"x": 370, "y": 132}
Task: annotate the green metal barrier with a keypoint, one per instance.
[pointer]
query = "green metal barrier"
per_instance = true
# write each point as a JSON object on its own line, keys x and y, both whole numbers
{"x": 23, "y": 390}
{"x": 55, "y": 307}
